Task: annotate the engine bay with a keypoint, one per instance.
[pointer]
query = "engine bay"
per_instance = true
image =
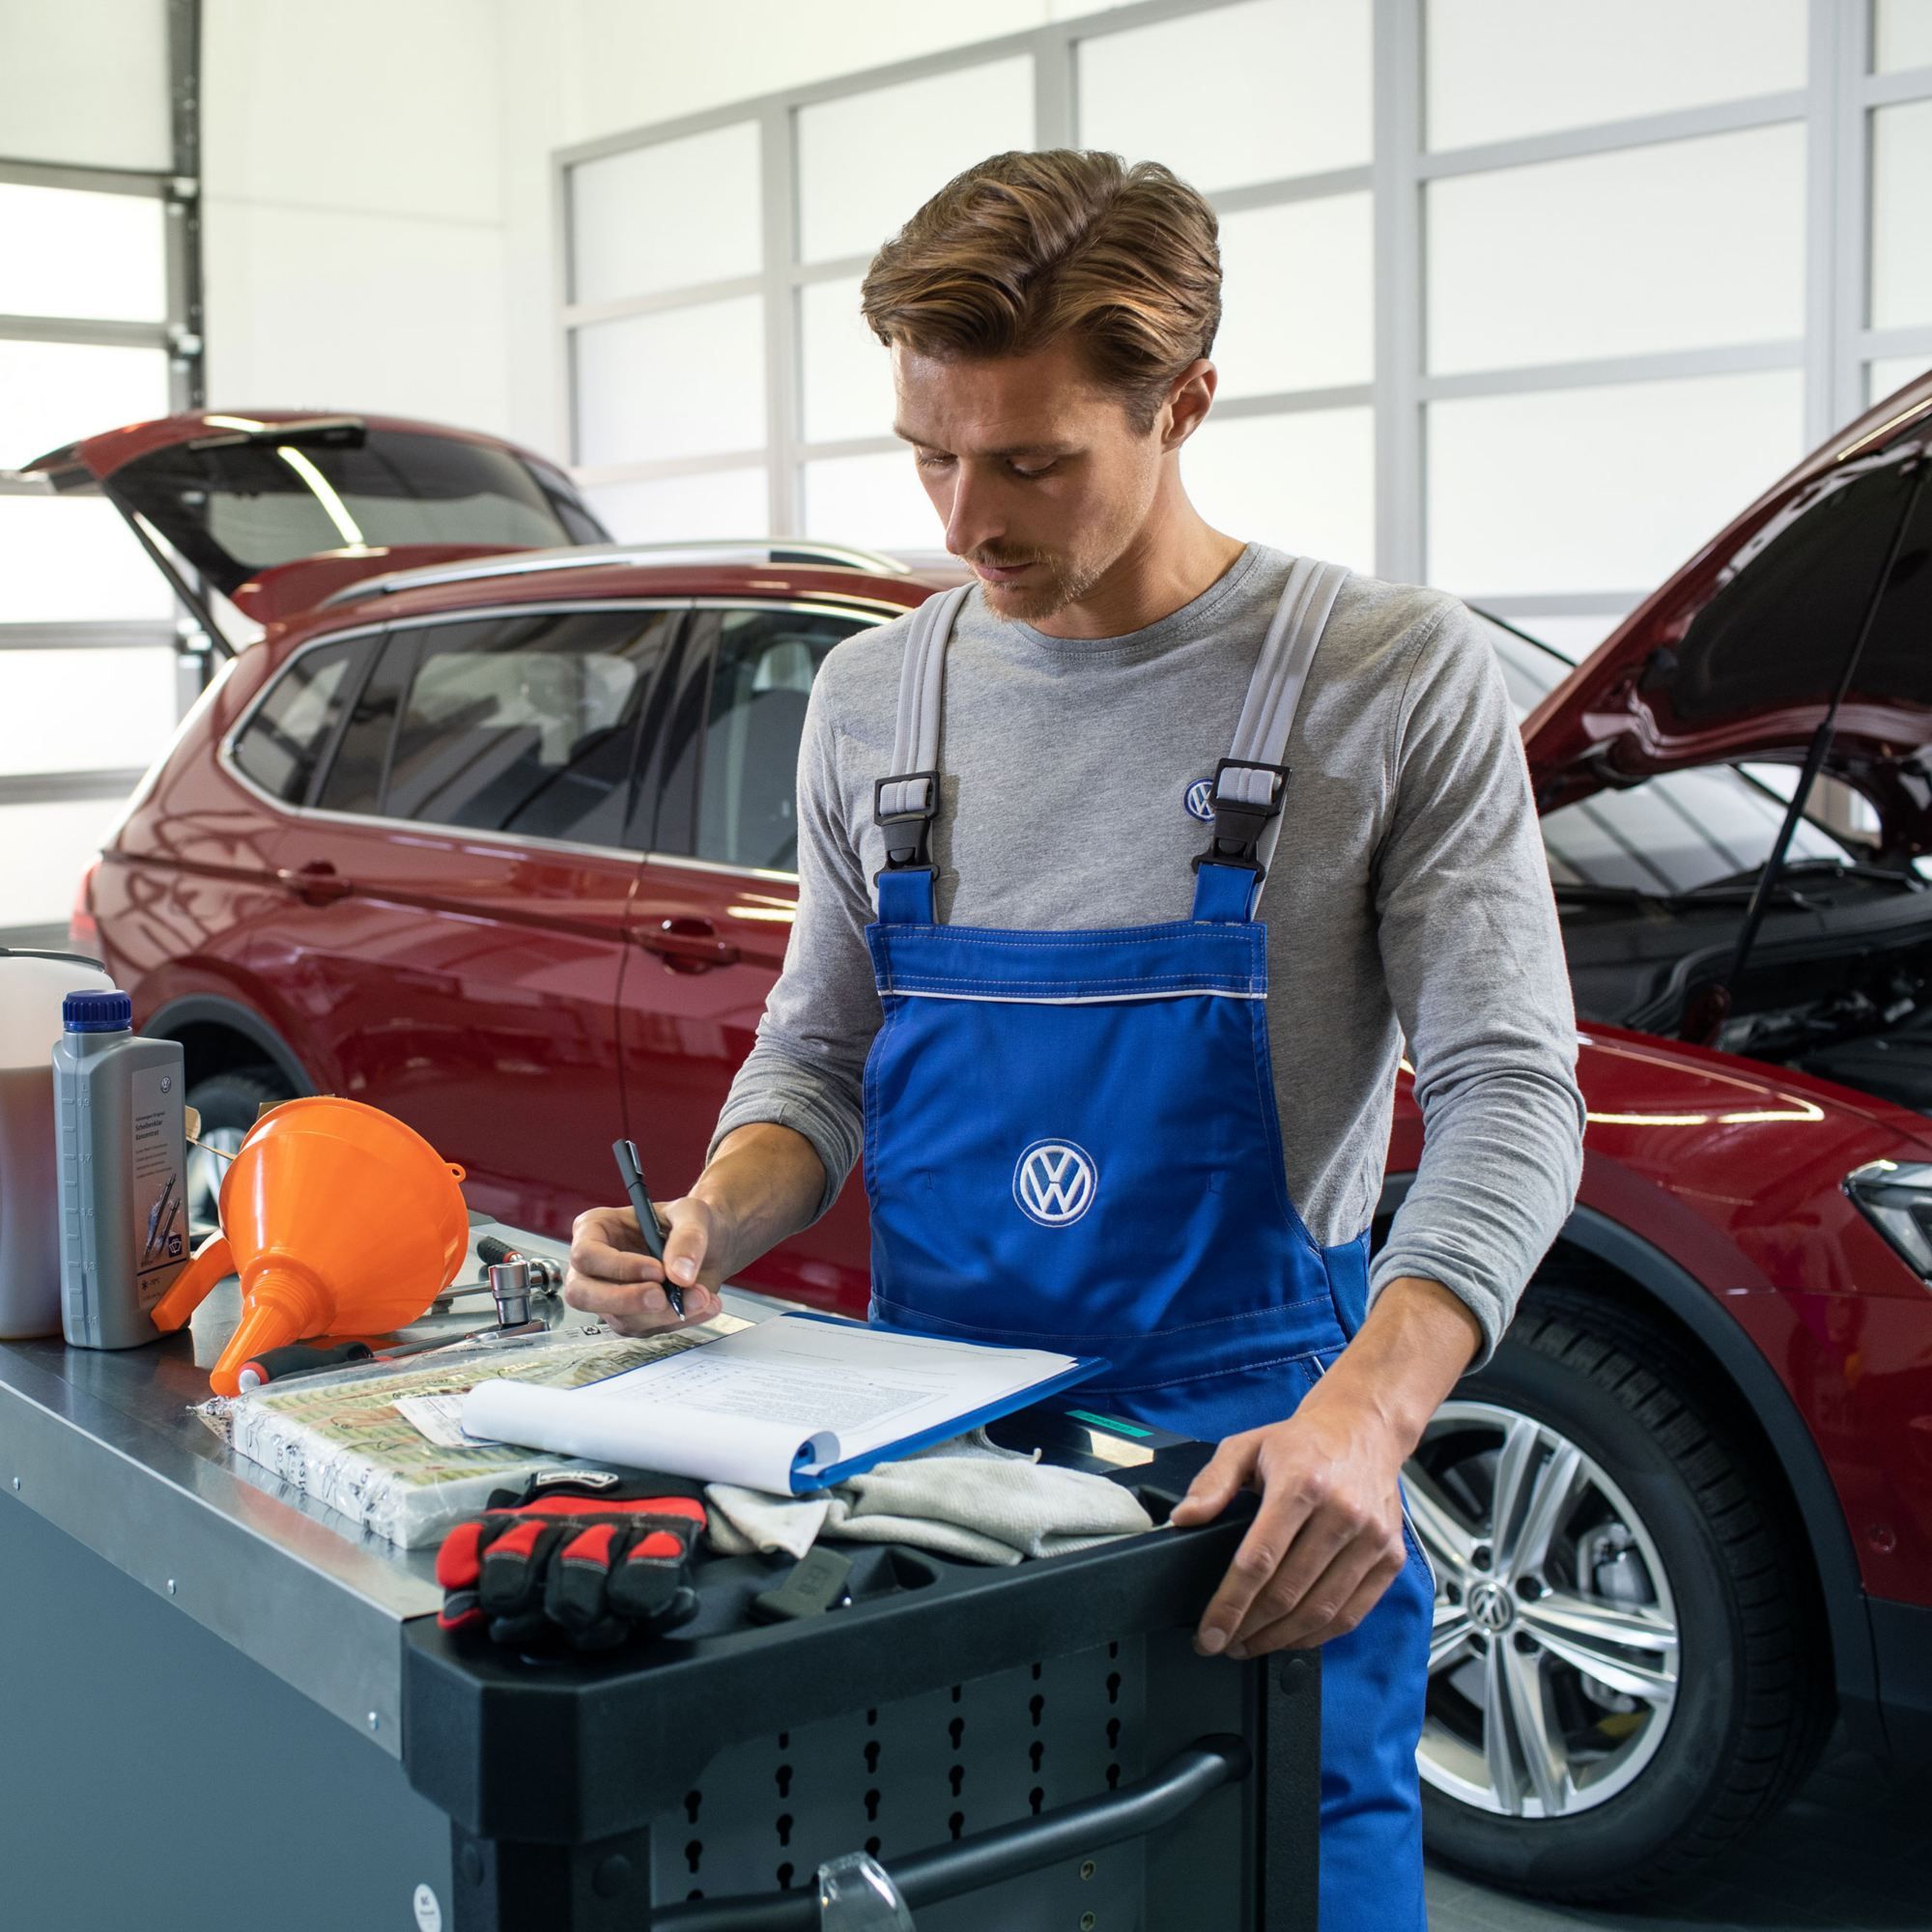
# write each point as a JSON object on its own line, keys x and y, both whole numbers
{"x": 1837, "y": 983}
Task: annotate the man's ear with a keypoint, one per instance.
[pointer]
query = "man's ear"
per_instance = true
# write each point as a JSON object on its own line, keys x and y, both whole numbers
{"x": 1189, "y": 398}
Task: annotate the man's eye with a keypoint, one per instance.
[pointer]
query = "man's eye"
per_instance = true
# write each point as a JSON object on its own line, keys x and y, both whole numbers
{"x": 931, "y": 459}
{"x": 1031, "y": 476}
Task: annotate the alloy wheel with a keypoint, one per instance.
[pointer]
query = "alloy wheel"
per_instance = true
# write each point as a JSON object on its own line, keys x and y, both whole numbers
{"x": 1554, "y": 1655}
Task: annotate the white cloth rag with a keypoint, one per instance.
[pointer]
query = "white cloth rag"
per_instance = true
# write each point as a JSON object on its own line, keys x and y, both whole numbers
{"x": 966, "y": 1497}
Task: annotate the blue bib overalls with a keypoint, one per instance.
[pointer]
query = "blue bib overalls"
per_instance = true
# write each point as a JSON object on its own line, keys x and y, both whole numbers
{"x": 1071, "y": 1143}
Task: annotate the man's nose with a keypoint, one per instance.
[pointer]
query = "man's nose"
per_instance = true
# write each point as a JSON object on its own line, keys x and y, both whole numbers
{"x": 973, "y": 518}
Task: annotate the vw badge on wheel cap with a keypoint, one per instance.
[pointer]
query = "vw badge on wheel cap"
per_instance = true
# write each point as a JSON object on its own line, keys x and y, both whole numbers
{"x": 1054, "y": 1182}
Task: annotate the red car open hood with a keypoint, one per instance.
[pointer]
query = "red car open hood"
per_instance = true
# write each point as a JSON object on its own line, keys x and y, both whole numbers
{"x": 1739, "y": 654}
{"x": 278, "y": 509}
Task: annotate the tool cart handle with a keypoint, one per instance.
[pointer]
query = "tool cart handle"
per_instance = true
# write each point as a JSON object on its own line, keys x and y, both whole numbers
{"x": 1008, "y": 1851}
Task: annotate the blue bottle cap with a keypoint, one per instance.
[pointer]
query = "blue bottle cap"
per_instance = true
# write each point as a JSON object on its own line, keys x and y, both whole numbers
{"x": 97, "y": 1013}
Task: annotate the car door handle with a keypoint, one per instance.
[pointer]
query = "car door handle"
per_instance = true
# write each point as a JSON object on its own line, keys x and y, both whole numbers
{"x": 688, "y": 945}
{"x": 317, "y": 883}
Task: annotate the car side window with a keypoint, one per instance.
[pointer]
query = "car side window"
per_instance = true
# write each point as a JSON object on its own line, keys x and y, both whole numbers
{"x": 282, "y": 743}
{"x": 354, "y": 782}
{"x": 525, "y": 723}
{"x": 763, "y": 662}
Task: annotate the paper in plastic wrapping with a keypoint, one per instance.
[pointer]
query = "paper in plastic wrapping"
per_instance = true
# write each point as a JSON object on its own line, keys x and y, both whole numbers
{"x": 337, "y": 1437}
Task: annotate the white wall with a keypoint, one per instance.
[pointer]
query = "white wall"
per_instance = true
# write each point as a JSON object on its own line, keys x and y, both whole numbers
{"x": 354, "y": 234}
{"x": 379, "y": 233}
{"x": 380, "y": 228}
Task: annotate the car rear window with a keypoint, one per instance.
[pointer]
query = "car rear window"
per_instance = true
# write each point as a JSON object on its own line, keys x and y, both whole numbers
{"x": 282, "y": 743}
{"x": 233, "y": 511}
{"x": 523, "y": 725}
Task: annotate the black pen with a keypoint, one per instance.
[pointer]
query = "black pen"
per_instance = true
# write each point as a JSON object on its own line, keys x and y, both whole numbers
{"x": 647, "y": 1216}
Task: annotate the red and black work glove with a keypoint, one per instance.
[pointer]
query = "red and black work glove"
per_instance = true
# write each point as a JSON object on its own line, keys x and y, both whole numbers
{"x": 588, "y": 1554}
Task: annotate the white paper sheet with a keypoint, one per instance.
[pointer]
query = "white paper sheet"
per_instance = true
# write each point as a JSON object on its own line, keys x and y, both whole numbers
{"x": 767, "y": 1406}
{"x": 438, "y": 1417}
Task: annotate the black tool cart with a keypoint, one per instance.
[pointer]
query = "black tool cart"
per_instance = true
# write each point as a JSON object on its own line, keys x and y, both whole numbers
{"x": 247, "y": 1705}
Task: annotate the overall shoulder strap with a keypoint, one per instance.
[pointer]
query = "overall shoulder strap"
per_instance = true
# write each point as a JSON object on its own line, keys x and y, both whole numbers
{"x": 1249, "y": 781}
{"x": 906, "y": 800}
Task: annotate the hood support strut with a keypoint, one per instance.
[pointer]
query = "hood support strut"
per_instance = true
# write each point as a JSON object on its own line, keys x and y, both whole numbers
{"x": 189, "y": 593}
{"x": 1711, "y": 1006}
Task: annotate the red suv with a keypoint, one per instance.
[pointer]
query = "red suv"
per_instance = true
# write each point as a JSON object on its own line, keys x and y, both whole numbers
{"x": 494, "y": 828}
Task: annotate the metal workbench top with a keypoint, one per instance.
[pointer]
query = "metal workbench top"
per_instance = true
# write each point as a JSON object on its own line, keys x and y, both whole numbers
{"x": 105, "y": 1445}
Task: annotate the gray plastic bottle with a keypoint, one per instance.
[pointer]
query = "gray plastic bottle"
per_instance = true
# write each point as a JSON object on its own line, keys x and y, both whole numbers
{"x": 32, "y": 985}
{"x": 122, "y": 1152}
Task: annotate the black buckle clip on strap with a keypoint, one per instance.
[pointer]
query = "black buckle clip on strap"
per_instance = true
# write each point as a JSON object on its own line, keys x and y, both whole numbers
{"x": 1238, "y": 825}
{"x": 906, "y": 832}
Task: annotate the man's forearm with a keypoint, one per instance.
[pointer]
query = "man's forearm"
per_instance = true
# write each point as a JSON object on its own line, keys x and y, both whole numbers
{"x": 763, "y": 1184}
{"x": 1410, "y": 1352}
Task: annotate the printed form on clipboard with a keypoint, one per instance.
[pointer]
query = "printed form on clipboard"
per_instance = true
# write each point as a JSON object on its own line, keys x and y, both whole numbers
{"x": 797, "y": 1403}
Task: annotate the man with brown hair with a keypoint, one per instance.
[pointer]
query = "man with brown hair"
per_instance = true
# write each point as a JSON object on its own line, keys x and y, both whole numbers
{"x": 1103, "y": 1107}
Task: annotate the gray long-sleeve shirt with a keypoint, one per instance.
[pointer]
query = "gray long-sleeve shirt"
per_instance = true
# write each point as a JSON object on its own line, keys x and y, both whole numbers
{"x": 1408, "y": 898}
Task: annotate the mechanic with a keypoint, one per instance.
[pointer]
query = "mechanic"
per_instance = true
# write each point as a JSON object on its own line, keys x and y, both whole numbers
{"x": 1083, "y": 1126}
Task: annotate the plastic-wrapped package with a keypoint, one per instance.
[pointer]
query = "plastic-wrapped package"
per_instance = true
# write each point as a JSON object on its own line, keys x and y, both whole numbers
{"x": 338, "y": 1437}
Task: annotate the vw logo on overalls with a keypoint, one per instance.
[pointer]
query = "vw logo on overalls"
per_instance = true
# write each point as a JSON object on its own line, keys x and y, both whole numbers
{"x": 1199, "y": 800}
{"x": 1054, "y": 1182}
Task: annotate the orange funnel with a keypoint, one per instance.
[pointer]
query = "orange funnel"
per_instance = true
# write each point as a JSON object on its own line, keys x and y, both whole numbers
{"x": 340, "y": 1220}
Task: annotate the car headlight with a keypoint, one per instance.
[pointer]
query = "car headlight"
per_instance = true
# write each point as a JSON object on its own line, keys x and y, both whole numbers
{"x": 1896, "y": 1197}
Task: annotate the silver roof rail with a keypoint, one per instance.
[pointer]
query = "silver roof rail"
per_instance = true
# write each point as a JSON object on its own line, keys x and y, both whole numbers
{"x": 585, "y": 556}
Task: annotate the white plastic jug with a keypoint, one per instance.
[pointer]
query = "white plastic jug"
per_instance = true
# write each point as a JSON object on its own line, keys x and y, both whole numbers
{"x": 32, "y": 986}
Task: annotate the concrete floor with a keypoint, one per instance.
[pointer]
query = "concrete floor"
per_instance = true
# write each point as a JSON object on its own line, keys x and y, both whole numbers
{"x": 1853, "y": 1850}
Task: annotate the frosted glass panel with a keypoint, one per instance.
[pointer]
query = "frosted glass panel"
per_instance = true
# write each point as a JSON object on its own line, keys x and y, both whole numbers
{"x": 668, "y": 216}
{"x": 848, "y": 370}
{"x": 1682, "y": 246}
{"x": 86, "y": 83}
{"x": 1298, "y": 297}
{"x": 1241, "y": 94}
{"x": 688, "y": 382}
{"x": 43, "y": 850}
{"x": 66, "y": 252}
{"x": 873, "y": 502}
{"x": 1901, "y": 35}
{"x": 55, "y": 392}
{"x": 715, "y": 503}
{"x": 1893, "y": 372}
{"x": 1305, "y": 481}
{"x": 89, "y": 710}
{"x": 1902, "y": 290}
{"x": 1499, "y": 69}
{"x": 73, "y": 558}
{"x": 866, "y": 161}
{"x": 1600, "y": 488}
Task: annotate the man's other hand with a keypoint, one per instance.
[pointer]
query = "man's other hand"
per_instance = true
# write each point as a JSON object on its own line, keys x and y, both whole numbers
{"x": 1326, "y": 1541}
{"x": 611, "y": 1275}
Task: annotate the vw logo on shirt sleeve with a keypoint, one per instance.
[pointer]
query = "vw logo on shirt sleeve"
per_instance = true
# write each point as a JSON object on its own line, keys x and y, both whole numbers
{"x": 1054, "y": 1182}
{"x": 1199, "y": 800}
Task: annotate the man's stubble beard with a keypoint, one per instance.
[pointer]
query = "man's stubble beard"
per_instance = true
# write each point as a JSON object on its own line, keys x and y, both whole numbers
{"x": 1068, "y": 578}
{"x": 1028, "y": 603}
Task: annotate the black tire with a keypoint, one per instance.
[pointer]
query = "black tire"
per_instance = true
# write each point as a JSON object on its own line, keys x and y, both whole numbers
{"x": 1754, "y": 1701}
{"x": 228, "y": 1104}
